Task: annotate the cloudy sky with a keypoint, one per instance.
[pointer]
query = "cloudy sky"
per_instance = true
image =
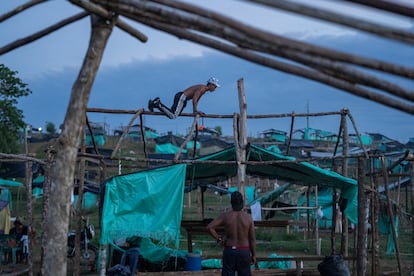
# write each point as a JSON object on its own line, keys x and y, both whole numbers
{"x": 133, "y": 72}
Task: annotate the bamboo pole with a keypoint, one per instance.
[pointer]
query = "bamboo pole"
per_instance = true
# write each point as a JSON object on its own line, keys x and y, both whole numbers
{"x": 391, "y": 215}
{"x": 95, "y": 147}
{"x": 26, "y": 40}
{"x": 334, "y": 218}
{"x": 318, "y": 247}
{"x": 362, "y": 220}
{"x": 340, "y": 83}
{"x": 144, "y": 143}
{"x": 190, "y": 133}
{"x": 29, "y": 203}
{"x": 345, "y": 151}
{"x": 393, "y": 7}
{"x": 232, "y": 25}
{"x": 341, "y": 19}
{"x": 361, "y": 144}
{"x": 292, "y": 123}
{"x": 259, "y": 116}
{"x": 375, "y": 218}
{"x": 20, "y": 9}
{"x": 241, "y": 167}
{"x": 126, "y": 130}
{"x": 412, "y": 205}
{"x": 102, "y": 12}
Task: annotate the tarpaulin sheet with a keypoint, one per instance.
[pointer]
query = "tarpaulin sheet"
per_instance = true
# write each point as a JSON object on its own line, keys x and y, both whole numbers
{"x": 145, "y": 204}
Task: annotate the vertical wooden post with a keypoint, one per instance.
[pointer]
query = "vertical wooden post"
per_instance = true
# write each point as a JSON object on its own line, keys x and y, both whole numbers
{"x": 316, "y": 215}
{"x": 241, "y": 166}
{"x": 308, "y": 224}
{"x": 29, "y": 205}
{"x": 375, "y": 219}
{"x": 199, "y": 201}
{"x": 391, "y": 215}
{"x": 412, "y": 200}
{"x": 362, "y": 220}
{"x": 345, "y": 151}
{"x": 292, "y": 123}
{"x": 144, "y": 143}
{"x": 334, "y": 218}
{"x": 29, "y": 202}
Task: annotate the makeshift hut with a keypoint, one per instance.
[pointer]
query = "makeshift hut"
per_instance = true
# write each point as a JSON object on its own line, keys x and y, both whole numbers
{"x": 149, "y": 203}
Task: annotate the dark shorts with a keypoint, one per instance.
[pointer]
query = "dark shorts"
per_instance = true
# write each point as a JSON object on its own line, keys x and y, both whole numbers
{"x": 236, "y": 260}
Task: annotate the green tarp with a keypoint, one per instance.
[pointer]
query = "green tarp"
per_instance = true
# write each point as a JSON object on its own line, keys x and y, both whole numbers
{"x": 168, "y": 148}
{"x": 5, "y": 182}
{"x": 145, "y": 204}
{"x": 302, "y": 173}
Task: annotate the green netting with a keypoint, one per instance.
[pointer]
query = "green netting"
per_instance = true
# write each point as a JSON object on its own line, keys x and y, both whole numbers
{"x": 145, "y": 204}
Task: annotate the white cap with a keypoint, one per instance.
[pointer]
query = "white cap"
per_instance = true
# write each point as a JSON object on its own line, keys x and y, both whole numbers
{"x": 213, "y": 81}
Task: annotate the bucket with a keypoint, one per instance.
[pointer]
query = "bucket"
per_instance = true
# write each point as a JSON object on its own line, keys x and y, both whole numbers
{"x": 193, "y": 262}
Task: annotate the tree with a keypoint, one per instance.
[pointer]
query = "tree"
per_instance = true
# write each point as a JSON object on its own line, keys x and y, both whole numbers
{"x": 219, "y": 130}
{"x": 11, "y": 118}
{"x": 50, "y": 129}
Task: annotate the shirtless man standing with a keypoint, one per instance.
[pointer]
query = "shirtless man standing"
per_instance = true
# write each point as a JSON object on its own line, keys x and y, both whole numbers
{"x": 194, "y": 93}
{"x": 239, "y": 241}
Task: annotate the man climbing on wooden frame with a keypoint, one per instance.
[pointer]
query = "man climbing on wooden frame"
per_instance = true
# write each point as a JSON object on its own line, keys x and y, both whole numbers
{"x": 193, "y": 93}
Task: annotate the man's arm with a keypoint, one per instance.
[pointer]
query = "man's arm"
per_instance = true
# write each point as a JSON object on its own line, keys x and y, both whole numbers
{"x": 252, "y": 242}
{"x": 196, "y": 98}
{"x": 211, "y": 228}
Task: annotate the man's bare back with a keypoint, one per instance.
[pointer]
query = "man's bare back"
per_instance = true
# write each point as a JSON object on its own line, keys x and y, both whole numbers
{"x": 237, "y": 226}
{"x": 238, "y": 229}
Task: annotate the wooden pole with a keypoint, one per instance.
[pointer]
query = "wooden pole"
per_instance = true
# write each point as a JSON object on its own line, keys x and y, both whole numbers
{"x": 315, "y": 213}
{"x": 391, "y": 215}
{"x": 292, "y": 123}
{"x": 375, "y": 218}
{"x": 190, "y": 133}
{"x": 412, "y": 204}
{"x": 31, "y": 231}
{"x": 345, "y": 151}
{"x": 126, "y": 130}
{"x": 362, "y": 220}
{"x": 308, "y": 223}
{"x": 144, "y": 143}
{"x": 241, "y": 167}
{"x": 334, "y": 218}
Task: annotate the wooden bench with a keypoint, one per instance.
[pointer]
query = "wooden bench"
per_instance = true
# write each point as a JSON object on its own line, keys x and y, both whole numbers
{"x": 199, "y": 227}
